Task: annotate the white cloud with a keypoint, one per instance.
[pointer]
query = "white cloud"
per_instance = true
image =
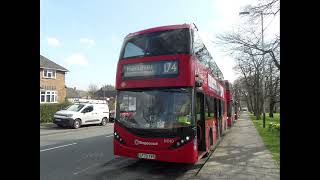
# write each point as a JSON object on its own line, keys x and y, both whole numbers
{"x": 77, "y": 59}
{"x": 87, "y": 41}
{"x": 53, "y": 41}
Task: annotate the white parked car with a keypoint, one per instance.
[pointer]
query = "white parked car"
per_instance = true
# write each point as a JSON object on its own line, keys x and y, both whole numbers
{"x": 82, "y": 114}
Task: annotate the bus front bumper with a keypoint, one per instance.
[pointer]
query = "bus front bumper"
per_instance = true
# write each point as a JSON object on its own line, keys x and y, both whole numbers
{"x": 183, "y": 154}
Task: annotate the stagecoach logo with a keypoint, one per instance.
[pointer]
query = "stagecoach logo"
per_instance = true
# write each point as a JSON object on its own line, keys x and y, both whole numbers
{"x": 137, "y": 142}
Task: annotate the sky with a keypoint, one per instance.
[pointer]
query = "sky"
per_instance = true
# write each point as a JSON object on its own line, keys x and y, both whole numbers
{"x": 85, "y": 36}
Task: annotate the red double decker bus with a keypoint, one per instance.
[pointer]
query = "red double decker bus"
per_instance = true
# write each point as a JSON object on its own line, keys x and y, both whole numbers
{"x": 169, "y": 106}
{"x": 231, "y": 104}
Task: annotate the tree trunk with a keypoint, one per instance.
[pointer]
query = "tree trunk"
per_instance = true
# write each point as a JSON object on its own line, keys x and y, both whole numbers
{"x": 251, "y": 103}
{"x": 271, "y": 108}
{"x": 258, "y": 106}
{"x": 258, "y": 98}
{"x": 255, "y": 104}
{"x": 248, "y": 104}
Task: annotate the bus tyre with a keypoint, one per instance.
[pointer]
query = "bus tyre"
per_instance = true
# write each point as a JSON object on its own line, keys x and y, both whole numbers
{"x": 76, "y": 124}
{"x": 104, "y": 121}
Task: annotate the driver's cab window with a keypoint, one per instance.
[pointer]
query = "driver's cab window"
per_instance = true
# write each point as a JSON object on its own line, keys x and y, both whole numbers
{"x": 87, "y": 109}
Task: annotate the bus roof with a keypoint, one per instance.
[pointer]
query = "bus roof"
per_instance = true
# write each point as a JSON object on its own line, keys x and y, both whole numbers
{"x": 160, "y": 28}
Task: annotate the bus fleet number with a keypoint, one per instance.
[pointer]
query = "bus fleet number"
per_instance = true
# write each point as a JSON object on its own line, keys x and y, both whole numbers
{"x": 170, "y": 67}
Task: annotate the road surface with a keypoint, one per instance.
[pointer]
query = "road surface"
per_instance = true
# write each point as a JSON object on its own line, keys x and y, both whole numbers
{"x": 87, "y": 153}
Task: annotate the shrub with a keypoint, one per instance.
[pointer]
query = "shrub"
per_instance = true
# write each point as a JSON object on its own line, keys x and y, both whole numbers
{"x": 273, "y": 125}
{"x": 47, "y": 111}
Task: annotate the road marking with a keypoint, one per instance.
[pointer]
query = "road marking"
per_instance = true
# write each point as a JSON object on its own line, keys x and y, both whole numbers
{"x": 110, "y": 135}
{"x": 57, "y": 147}
{"x": 75, "y": 173}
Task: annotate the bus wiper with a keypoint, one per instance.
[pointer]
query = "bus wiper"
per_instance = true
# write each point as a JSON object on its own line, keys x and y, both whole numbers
{"x": 175, "y": 90}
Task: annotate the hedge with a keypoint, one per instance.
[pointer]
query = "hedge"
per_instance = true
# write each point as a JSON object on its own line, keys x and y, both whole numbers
{"x": 47, "y": 111}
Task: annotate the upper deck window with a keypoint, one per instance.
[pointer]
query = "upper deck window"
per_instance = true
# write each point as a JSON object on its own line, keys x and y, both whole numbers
{"x": 157, "y": 43}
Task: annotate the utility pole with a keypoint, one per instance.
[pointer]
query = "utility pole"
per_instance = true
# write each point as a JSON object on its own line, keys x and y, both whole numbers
{"x": 263, "y": 75}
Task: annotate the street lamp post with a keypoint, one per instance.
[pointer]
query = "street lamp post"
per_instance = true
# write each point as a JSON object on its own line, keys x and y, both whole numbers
{"x": 263, "y": 65}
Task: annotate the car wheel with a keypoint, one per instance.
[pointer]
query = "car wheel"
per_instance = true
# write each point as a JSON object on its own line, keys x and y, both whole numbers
{"x": 104, "y": 121}
{"x": 76, "y": 124}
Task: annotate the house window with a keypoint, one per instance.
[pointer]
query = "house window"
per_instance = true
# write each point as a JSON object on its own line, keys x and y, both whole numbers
{"x": 48, "y": 96}
{"x": 49, "y": 73}
{"x": 42, "y": 96}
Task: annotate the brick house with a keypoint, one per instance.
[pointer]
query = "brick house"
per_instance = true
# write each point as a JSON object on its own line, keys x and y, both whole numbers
{"x": 52, "y": 81}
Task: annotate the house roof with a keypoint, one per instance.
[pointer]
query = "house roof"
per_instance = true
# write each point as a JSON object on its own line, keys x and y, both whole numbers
{"x": 46, "y": 63}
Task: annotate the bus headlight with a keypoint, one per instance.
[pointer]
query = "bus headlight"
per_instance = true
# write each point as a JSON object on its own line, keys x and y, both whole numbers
{"x": 181, "y": 142}
{"x": 118, "y": 137}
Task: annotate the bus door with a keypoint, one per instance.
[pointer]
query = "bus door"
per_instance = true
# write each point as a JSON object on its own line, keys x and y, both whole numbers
{"x": 200, "y": 119}
{"x": 217, "y": 114}
{"x": 220, "y": 116}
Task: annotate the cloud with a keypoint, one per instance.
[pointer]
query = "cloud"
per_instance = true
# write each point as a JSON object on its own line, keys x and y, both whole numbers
{"x": 87, "y": 41}
{"x": 53, "y": 41}
{"x": 77, "y": 59}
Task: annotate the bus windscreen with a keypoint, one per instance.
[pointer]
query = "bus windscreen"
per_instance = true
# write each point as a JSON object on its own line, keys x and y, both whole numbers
{"x": 155, "y": 109}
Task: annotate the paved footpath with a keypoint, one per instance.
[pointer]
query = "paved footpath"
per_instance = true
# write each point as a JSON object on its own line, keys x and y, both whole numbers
{"x": 241, "y": 155}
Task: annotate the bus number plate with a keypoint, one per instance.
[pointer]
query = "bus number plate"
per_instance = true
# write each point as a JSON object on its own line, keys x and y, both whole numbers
{"x": 146, "y": 156}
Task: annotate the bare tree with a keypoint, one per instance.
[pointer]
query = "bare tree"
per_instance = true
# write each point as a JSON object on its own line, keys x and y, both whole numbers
{"x": 250, "y": 36}
{"x": 272, "y": 87}
{"x": 237, "y": 41}
{"x": 108, "y": 87}
{"x": 257, "y": 62}
{"x": 92, "y": 89}
{"x": 250, "y": 67}
{"x": 269, "y": 7}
